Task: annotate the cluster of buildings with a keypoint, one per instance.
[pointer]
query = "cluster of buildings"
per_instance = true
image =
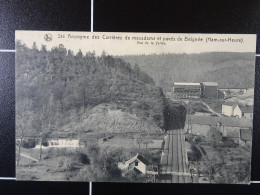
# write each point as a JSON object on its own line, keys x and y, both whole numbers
{"x": 208, "y": 90}
{"x": 236, "y": 110}
{"x": 235, "y": 122}
{"x": 237, "y": 129}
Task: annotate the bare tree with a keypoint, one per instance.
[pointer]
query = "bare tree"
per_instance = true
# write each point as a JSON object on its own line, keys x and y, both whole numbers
{"x": 22, "y": 114}
{"x": 147, "y": 140}
{"x": 46, "y": 116}
{"x": 139, "y": 140}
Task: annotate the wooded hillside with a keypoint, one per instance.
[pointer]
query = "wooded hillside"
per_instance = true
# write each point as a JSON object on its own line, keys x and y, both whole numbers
{"x": 56, "y": 87}
{"x": 227, "y": 68}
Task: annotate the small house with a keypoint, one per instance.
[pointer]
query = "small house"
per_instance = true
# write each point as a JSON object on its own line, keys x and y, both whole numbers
{"x": 137, "y": 164}
{"x": 247, "y": 111}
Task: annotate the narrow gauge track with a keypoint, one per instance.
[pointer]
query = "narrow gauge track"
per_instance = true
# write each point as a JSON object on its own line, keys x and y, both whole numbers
{"x": 168, "y": 149}
{"x": 175, "y": 161}
{"x": 181, "y": 163}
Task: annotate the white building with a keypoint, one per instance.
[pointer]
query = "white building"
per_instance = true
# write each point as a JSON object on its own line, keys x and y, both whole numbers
{"x": 228, "y": 108}
{"x": 60, "y": 143}
{"x": 137, "y": 163}
{"x": 233, "y": 109}
{"x": 237, "y": 111}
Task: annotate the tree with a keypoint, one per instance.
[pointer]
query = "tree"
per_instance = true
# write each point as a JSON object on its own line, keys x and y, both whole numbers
{"x": 82, "y": 92}
{"x": 139, "y": 140}
{"x": 22, "y": 114}
{"x": 34, "y": 47}
{"x": 47, "y": 119}
{"x": 147, "y": 140}
{"x": 43, "y": 49}
{"x": 100, "y": 87}
{"x": 137, "y": 71}
{"x": 215, "y": 136}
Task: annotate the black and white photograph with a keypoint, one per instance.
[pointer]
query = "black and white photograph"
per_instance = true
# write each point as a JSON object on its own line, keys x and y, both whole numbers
{"x": 134, "y": 107}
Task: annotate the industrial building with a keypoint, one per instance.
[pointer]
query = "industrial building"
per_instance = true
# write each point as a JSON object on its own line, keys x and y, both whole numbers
{"x": 186, "y": 90}
{"x": 207, "y": 90}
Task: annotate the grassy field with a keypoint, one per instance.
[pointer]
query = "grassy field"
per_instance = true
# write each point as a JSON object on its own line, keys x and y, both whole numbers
{"x": 52, "y": 167}
{"x": 45, "y": 170}
{"x": 127, "y": 143}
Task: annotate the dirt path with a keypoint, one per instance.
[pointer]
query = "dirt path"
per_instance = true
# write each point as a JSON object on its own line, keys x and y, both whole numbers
{"x": 210, "y": 109}
{"x": 26, "y": 156}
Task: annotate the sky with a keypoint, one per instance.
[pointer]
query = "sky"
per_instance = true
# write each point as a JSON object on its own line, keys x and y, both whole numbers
{"x": 134, "y": 43}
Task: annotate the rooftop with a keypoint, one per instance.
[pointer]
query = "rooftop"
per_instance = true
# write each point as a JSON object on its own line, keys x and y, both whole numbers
{"x": 139, "y": 157}
{"x": 133, "y": 171}
{"x": 223, "y": 121}
{"x": 215, "y": 84}
{"x": 179, "y": 83}
{"x": 246, "y": 109}
{"x": 230, "y": 103}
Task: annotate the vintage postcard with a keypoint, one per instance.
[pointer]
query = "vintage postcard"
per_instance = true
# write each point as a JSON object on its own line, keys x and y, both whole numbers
{"x": 134, "y": 107}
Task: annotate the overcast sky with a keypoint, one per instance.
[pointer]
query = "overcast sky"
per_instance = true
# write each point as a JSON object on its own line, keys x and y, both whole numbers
{"x": 176, "y": 43}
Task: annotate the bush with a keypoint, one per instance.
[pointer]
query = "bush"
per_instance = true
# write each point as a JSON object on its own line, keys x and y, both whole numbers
{"x": 61, "y": 163}
{"x": 114, "y": 172}
{"x": 83, "y": 158}
{"x": 45, "y": 143}
{"x": 196, "y": 153}
{"x": 198, "y": 139}
{"x": 80, "y": 157}
{"x": 30, "y": 143}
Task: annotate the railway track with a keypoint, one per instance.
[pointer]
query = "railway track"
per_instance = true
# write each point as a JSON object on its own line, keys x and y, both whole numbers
{"x": 175, "y": 169}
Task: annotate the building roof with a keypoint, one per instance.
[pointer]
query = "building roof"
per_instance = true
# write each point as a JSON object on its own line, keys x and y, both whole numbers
{"x": 179, "y": 83}
{"x": 246, "y": 134}
{"x": 223, "y": 121}
{"x": 139, "y": 157}
{"x": 215, "y": 84}
{"x": 229, "y": 103}
{"x": 232, "y": 134}
{"x": 133, "y": 171}
{"x": 246, "y": 109}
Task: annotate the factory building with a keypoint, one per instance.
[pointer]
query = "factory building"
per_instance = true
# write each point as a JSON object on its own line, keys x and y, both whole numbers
{"x": 186, "y": 90}
{"x": 209, "y": 90}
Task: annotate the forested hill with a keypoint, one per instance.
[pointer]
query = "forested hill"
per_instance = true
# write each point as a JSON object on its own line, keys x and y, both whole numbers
{"x": 56, "y": 87}
{"x": 227, "y": 68}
